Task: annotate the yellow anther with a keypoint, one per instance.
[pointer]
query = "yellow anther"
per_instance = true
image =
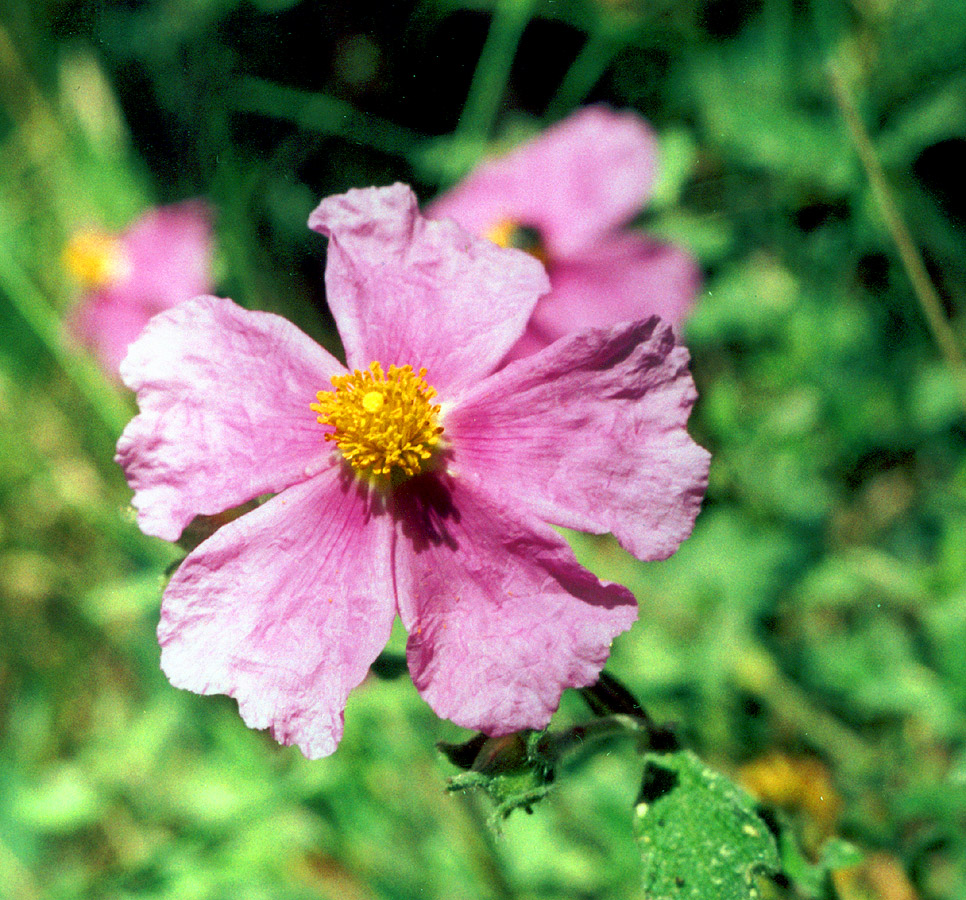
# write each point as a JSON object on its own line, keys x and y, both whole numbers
{"x": 510, "y": 233}
{"x": 373, "y": 402}
{"x": 384, "y": 423}
{"x": 96, "y": 259}
{"x": 502, "y": 233}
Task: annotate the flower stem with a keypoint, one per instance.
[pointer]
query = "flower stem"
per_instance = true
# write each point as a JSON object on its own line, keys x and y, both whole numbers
{"x": 909, "y": 254}
{"x": 486, "y": 857}
{"x": 758, "y": 673}
{"x": 510, "y": 18}
{"x": 557, "y": 744}
{"x": 30, "y": 303}
{"x": 322, "y": 113}
{"x": 586, "y": 70}
{"x": 612, "y": 702}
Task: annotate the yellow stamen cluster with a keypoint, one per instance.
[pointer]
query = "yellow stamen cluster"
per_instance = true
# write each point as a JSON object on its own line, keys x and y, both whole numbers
{"x": 502, "y": 233}
{"x": 510, "y": 233}
{"x": 94, "y": 258}
{"x": 385, "y": 423}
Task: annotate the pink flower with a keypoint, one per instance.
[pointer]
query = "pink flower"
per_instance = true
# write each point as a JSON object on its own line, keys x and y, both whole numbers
{"x": 162, "y": 259}
{"x": 564, "y": 196}
{"x": 393, "y": 498}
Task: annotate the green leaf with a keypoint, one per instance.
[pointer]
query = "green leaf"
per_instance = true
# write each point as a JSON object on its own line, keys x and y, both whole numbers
{"x": 809, "y": 878}
{"x": 678, "y": 155}
{"x": 698, "y": 834}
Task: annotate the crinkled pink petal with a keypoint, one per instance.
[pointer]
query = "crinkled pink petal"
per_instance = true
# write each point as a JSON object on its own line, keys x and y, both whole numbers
{"x": 169, "y": 252}
{"x": 224, "y": 396}
{"x": 501, "y": 618}
{"x": 533, "y": 340}
{"x": 405, "y": 290}
{"x": 624, "y": 278}
{"x": 575, "y": 182}
{"x": 285, "y": 609}
{"x": 590, "y": 434}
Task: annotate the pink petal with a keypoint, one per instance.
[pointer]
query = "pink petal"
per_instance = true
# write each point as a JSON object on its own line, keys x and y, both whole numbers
{"x": 575, "y": 182}
{"x": 166, "y": 260}
{"x": 224, "y": 396}
{"x": 169, "y": 250}
{"x": 590, "y": 434}
{"x": 405, "y": 290}
{"x": 501, "y": 618}
{"x": 623, "y": 278}
{"x": 108, "y": 324}
{"x": 285, "y": 609}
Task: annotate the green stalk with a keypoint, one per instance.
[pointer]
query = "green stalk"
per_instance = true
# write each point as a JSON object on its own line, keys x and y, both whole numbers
{"x": 510, "y": 18}
{"x": 756, "y": 671}
{"x": 108, "y": 404}
{"x": 586, "y": 70}
{"x": 322, "y": 113}
{"x": 909, "y": 254}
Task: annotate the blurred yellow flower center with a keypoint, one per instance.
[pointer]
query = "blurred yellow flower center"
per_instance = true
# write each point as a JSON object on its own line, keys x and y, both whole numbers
{"x": 95, "y": 258}
{"x": 510, "y": 233}
{"x": 385, "y": 422}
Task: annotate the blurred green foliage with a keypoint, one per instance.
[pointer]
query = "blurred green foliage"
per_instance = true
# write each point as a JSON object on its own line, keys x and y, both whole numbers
{"x": 819, "y": 610}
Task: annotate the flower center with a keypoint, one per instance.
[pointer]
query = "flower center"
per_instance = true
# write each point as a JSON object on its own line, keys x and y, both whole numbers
{"x": 385, "y": 423}
{"x": 510, "y": 233}
{"x": 95, "y": 258}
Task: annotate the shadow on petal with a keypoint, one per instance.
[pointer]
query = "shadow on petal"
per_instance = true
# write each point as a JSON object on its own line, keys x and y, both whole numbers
{"x": 426, "y": 513}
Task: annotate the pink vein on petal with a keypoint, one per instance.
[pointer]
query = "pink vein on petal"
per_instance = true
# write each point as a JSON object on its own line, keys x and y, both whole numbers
{"x": 406, "y": 290}
{"x": 285, "y": 609}
{"x": 224, "y": 395}
{"x": 501, "y": 618}
{"x": 590, "y": 433}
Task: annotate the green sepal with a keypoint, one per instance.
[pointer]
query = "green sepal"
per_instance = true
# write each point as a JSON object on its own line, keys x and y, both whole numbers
{"x": 516, "y": 771}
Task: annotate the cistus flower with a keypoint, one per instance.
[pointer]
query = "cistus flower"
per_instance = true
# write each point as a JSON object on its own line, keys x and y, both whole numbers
{"x": 565, "y": 197}
{"x": 415, "y": 481}
{"x": 161, "y": 259}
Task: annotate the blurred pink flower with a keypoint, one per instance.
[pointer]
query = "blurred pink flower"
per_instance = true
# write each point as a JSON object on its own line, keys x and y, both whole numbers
{"x": 160, "y": 260}
{"x": 565, "y": 196}
{"x": 393, "y": 499}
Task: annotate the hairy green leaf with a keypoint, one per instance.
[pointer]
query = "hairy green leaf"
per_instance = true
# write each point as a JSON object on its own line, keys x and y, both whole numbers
{"x": 698, "y": 834}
